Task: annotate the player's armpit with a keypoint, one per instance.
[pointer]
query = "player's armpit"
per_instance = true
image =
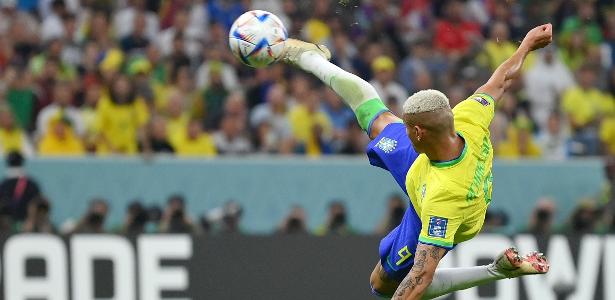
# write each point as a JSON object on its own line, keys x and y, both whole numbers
{"x": 420, "y": 276}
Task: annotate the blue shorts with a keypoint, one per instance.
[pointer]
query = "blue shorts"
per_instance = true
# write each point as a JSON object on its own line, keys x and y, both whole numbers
{"x": 392, "y": 150}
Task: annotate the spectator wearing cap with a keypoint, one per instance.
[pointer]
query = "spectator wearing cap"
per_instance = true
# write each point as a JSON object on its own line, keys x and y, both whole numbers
{"x": 60, "y": 138}
{"x": 519, "y": 142}
{"x": 13, "y": 138}
{"x": 383, "y": 68}
{"x": 194, "y": 142}
{"x": 17, "y": 189}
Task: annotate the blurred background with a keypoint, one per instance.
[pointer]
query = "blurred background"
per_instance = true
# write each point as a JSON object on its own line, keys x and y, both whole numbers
{"x": 132, "y": 116}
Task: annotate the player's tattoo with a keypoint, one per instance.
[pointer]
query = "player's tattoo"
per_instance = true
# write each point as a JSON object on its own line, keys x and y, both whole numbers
{"x": 425, "y": 262}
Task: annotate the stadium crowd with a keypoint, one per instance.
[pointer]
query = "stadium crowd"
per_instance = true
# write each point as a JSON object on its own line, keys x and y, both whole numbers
{"x": 148, "y": 76}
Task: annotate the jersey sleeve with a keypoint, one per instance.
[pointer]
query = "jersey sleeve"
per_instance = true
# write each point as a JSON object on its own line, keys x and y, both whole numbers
{"x": 392, "y": 150}
{"x": 477, "y": 110}
{"x": 440, "y": 221}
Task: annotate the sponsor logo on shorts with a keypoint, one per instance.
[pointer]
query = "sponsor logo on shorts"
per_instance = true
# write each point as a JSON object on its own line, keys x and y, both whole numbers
{"x": 482, "y": 100}
{"x": 437, "y": 227}
{"x": 387, "y": 145}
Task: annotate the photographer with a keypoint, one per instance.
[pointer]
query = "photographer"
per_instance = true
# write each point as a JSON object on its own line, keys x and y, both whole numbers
{"x": 38, "y": 217}
{"x": 337, "y": 221}
{"x": 295, "y": 222}
{"x": 17, "y": 189}
{"x": 395, "y": 212}
{"x": 94, "y": 219}
{"x": 136, "y": 220}
{"x": 174, "y": 218}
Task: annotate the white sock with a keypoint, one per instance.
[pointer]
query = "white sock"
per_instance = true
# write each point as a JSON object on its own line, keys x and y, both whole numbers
{"x": 353, "y": 90}
{"x": 448, "y": 280}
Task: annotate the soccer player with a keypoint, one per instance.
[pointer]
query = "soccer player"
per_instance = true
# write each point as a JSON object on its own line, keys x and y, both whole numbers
{"x": 442, "y": 159}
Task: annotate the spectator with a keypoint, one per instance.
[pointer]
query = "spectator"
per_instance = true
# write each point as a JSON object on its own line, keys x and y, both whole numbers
{"x": 120, "y": 119}
{"x": 583, "y": 21}
{"x": 584, "y": 105}
{"x": 337, "y": 221}
{"x": 214, "y": 98}
{"x": 495, "y": 221}
{"x": 311, "y": 128}
{"x": 454, "y": 34}
{"x": 174, "y": 218}
{"x": 498, "y": 48}
{"x": 384, "y": 72}
{"x": 136, "y": 219}
{"x": 270, "y": 120}
{"x": 13, "y": 138}
{"x": 17, "y": 189}
{"x": 21, "y": 95}
{"x": 552, "y": 140}
{"x": 231, "y": 139}
{"x": 94, "y": 219}
{"x": 519, "y": 142}
{"x": 61, "y": 105}
{"x": 192, "y": 34}
{"x": 137, "y": 41}
{"x": 158, "y": 141}
{"x": 607, "y": 134}
{"x": 228, "y": 75}
{"x": 295, "y": 222}
{"x": 542, "y": 218}
{"x": 396, "y": 208}
{"x": 60, "y": 138}
{"x": 340, "y": 116}
{"x": 231, "y": 218}
{"x": 545, "y": 82}
{"x": 584, "y": 218}
{"x": 194, "y": 142}
{"x": 52, "y": 26}
{"x": 123, "y": 24}
{"x": 37, "y": 220}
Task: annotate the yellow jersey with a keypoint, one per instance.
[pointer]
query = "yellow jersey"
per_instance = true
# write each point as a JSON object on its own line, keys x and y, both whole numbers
{"x": 119, "y": 124}
{"x": 451, "y": 197}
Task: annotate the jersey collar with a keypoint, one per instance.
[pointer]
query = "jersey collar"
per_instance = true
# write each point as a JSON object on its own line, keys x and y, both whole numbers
{"x": 450, "y": 163}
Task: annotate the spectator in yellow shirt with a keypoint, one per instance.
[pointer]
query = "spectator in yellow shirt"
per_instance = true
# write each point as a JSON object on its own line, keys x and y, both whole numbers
{"x": 607, "y": 134}
{"x": 120, "y": 119}
{"x": 177, "y": 116}
{"x": 12, "y": 138}
{"x": 499, "y": 48}
{"x": 585, "y": 103}
{"x": 194, "y": 142}
{"x": 519, "y": 142}
{"x": 60, "y": 139}
{"x": 311, "y": 127}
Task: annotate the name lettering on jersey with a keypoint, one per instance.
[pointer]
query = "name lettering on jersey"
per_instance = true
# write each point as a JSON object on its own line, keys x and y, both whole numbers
{"x": 387, "y": 145}
{"x": 437, "y": 227}
{"x": 479, "y": 173}
{"x": 481, "y": 100}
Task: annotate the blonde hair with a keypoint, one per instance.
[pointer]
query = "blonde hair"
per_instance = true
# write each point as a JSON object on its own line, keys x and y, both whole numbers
{"x": 425, "y": 101}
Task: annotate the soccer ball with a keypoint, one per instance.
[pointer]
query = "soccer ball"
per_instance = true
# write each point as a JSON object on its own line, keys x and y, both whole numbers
{"x": 257, "y": 38}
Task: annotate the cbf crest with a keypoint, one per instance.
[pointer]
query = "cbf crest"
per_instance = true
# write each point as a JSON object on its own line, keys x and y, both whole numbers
{"x": 387, "y": 145}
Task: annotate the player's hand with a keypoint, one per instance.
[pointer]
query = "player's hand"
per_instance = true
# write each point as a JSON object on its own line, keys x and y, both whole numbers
{"x": 538, "y": 37}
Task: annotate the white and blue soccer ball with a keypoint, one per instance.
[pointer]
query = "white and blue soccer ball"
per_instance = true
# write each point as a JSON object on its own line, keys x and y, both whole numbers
{"x": 257, "y": 38}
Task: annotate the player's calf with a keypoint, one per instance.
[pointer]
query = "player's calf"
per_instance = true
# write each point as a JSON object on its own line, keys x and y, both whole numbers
{"x": 381, "y": 284}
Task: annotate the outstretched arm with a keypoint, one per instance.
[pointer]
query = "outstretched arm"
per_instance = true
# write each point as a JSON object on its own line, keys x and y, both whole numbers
{"x": 503, "y": 76}
{"x": 415, "y": 284}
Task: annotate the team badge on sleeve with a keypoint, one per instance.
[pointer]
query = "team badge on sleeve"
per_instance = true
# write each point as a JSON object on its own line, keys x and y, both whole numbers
{"x": 437, "y": 227}
{"x": 387, "y": 145}
{"x": 481, "y": 100}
